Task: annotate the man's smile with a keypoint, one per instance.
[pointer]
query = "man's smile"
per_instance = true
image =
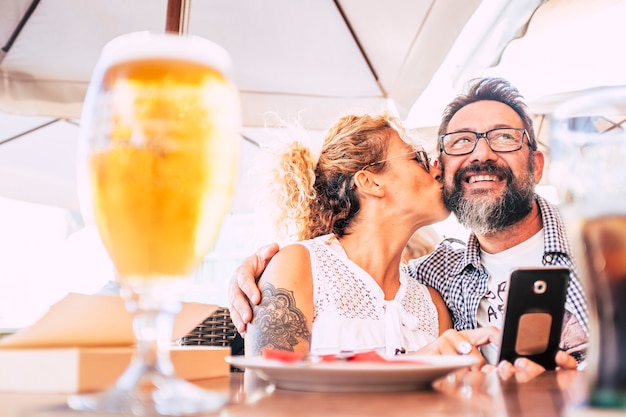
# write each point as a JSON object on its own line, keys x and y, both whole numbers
{"x": 473, "y": 178}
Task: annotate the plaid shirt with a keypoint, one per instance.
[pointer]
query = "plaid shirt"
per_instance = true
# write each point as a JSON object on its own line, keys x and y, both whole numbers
{"x": 461, "y": 279}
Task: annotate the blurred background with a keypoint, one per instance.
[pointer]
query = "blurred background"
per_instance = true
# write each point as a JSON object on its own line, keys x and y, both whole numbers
{"x": 301, "y": 64}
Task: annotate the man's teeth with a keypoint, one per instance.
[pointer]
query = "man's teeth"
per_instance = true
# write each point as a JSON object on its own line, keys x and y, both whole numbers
{"x": 477, "y": 178}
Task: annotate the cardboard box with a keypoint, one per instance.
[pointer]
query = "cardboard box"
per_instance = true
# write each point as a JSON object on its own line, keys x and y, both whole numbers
{"x": 85, "y": 342}
{"x": 82, "y": 369}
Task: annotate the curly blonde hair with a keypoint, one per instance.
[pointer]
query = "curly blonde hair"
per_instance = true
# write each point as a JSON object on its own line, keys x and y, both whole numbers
{"x": 314, "y": 198}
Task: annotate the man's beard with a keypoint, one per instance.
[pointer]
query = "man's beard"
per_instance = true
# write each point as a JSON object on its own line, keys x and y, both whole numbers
{"x": 484, "y": 214}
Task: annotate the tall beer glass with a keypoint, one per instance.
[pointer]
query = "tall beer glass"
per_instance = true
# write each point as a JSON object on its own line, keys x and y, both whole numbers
{"x": 588, "y": 165}
{"x": 158, "y": 161}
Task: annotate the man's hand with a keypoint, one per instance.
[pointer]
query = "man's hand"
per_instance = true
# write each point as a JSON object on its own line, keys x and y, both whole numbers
{"x": 242, "y": 289}
{"x": 524, "y": 369}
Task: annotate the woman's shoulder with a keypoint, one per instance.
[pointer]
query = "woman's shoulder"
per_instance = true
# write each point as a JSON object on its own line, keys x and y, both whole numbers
{"x": 289, "y": 254}
{"x": 295, "y": 261}
{"x": 298, "y": 249}
{"x": 290, "y": 268}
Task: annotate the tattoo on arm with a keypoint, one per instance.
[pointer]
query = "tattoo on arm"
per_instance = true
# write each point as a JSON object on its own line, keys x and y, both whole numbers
{"x": 276, "y": 322}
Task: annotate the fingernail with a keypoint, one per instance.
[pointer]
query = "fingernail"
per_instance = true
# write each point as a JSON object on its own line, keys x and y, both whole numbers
{"x": 521, "y": 363}
{"x": 464, "y": 348}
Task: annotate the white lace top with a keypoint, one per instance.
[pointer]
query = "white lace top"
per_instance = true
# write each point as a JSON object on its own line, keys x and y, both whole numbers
{"x": 351, "y": 312}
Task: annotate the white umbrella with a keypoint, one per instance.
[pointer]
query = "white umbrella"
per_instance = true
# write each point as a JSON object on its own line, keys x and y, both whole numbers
{"x": 37, "y": 164}
{"x": 567, "y": 46}
{"x": 310, "y": 59}
{"x": 570, "y": 46}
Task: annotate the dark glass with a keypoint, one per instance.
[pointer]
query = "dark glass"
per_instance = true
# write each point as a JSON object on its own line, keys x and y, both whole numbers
{"x": 588, "y": 154}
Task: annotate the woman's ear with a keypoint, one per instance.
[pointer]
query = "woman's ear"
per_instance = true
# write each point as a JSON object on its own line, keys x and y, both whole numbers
{"x": 367, "y": 183}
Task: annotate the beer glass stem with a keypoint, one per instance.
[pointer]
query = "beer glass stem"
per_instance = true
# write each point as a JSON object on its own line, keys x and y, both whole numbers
{"x": 149, "y": 385}
{"x": 153, "y": 330}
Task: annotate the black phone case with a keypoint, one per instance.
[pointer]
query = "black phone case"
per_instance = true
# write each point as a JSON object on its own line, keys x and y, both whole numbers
{"x": 534, "y": 314}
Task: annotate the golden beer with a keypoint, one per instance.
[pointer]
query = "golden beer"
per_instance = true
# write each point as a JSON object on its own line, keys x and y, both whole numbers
{"x": 162, "y": 179}
{"x": 157, "y": 161}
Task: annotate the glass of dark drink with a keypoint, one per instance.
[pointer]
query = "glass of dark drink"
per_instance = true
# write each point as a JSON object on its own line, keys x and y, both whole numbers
{"x": 588, "y": 166}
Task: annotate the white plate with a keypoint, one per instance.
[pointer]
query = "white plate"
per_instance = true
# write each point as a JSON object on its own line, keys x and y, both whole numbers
{"x": 354, "y": 376}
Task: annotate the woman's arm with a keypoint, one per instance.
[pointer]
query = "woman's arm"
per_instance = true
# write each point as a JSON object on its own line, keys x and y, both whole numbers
{"x": 283, "y": 318}
{"x": 445, "y": 321}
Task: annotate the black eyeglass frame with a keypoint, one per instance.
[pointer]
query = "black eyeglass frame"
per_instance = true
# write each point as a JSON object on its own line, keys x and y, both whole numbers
{"x": 483, "y": 135}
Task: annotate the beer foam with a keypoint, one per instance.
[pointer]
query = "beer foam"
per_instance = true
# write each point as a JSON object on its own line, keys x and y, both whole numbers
{"x": 140, "y": 45}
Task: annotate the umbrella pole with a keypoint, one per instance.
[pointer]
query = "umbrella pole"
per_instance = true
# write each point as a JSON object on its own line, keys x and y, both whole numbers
{"x": 18, "y": 29}
{"x": 177, "y": 20}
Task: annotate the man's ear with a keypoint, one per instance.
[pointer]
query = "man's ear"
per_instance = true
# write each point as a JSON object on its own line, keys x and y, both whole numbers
{"x": 539, "y": 164}
{"x": 367, "y": 183}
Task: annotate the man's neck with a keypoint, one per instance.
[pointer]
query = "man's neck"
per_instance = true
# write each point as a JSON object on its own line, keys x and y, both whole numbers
{"x": 514, "y": 234}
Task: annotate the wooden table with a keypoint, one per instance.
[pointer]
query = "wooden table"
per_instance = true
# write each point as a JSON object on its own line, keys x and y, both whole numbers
{"x": 471, "y": 394}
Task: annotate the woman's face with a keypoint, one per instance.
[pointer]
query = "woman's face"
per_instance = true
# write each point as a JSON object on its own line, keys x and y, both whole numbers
{"x": 413, "y": 190}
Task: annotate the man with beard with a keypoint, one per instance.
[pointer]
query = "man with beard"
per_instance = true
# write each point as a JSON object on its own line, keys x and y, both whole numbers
{"x": 489, "y": 185}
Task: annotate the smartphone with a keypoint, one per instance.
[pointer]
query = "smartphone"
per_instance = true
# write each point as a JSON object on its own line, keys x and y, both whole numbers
{"x": 533, "y": 315}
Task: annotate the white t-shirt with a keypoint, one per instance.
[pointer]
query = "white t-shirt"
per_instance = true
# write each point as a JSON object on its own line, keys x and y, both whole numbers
{"x": 499, "y": 266}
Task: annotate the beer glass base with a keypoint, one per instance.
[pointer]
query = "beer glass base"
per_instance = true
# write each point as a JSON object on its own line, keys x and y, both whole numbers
{"x": 168, "y": 396}
{"x": 149, "y": 385}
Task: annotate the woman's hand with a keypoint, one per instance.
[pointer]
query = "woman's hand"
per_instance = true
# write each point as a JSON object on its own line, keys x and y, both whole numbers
{"x": 465, "y": 342}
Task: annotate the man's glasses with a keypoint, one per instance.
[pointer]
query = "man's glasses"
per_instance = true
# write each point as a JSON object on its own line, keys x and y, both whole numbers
{"x": 419, "y": 155}
{"x": 507, "y": 139}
